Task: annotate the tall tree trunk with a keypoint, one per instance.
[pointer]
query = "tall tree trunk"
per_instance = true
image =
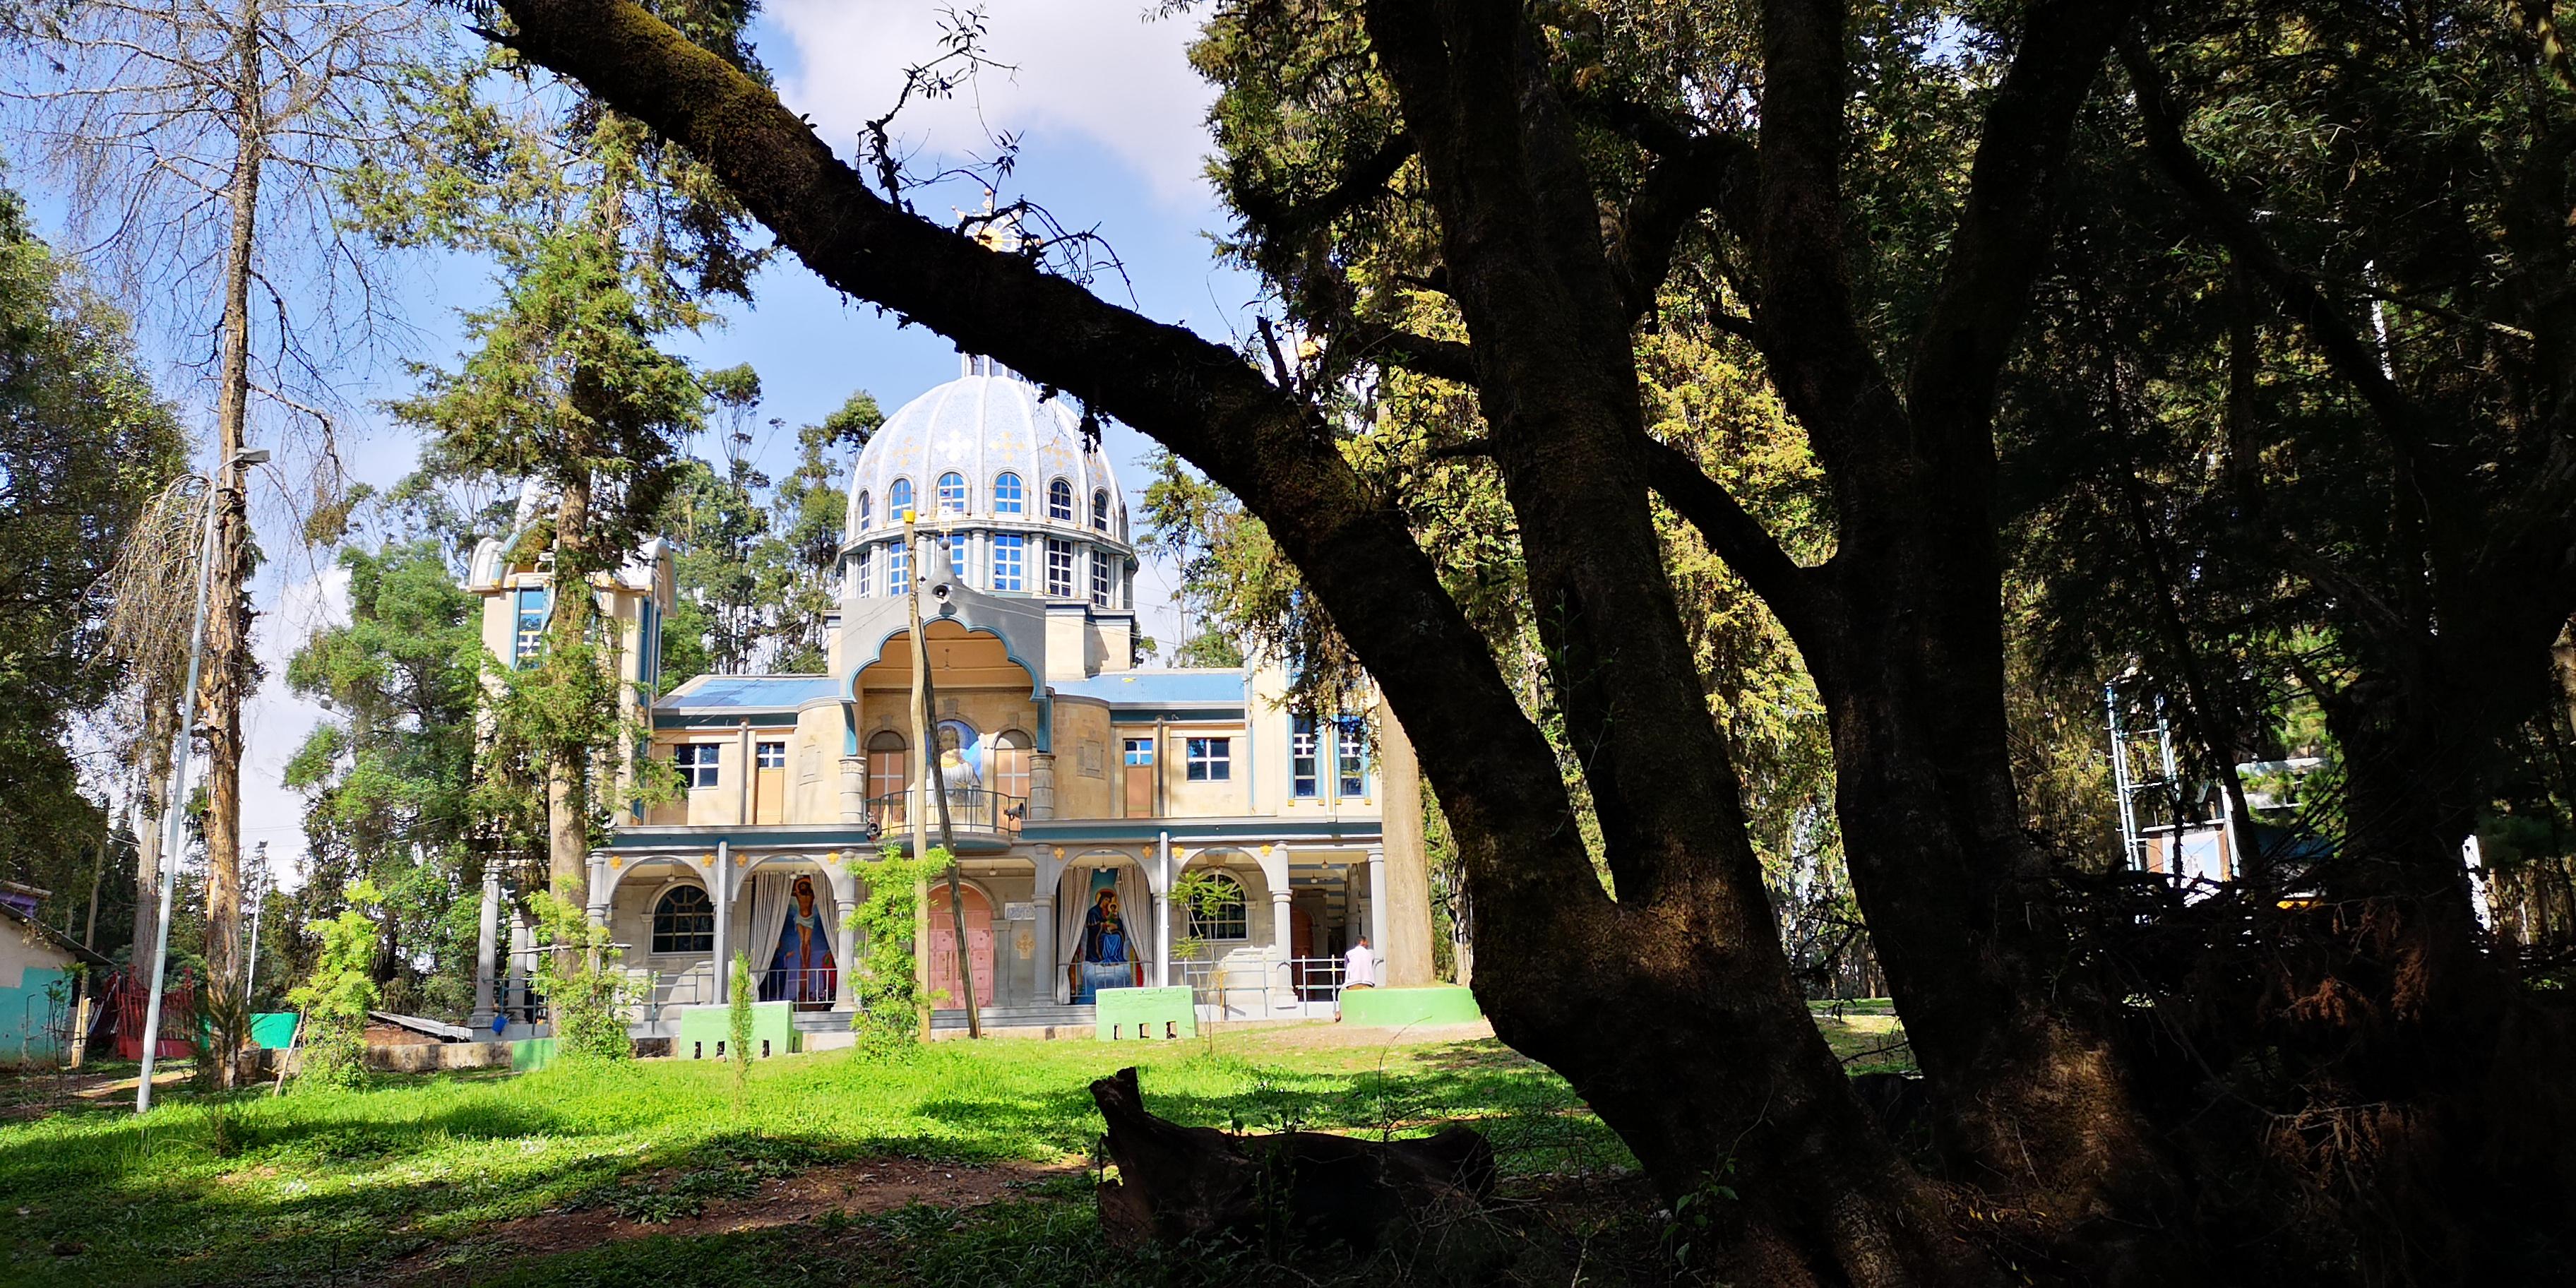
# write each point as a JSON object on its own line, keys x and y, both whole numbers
{"x": 229, "y": 667}
{"x": 1408, "y": 870}
{"x": 568, "y": 762}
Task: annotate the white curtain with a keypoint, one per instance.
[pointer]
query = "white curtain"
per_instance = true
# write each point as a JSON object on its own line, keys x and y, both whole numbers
{"x": 1136, "y": 900}
{"x": 1071, "y": 893}
{"x": 772, "y": 894}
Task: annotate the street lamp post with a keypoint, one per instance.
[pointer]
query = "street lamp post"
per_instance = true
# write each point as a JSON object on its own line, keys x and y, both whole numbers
{"x": 177, "y": 796}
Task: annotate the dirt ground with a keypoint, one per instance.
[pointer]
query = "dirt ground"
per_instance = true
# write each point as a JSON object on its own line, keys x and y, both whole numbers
{"x": 876, "y": 1185}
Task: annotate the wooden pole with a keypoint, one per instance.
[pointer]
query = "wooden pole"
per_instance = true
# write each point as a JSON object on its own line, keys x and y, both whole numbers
{"x": 927, "y": 760}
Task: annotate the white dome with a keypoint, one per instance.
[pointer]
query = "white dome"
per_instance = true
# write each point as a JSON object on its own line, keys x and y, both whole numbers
{"x": 981, "y": 427}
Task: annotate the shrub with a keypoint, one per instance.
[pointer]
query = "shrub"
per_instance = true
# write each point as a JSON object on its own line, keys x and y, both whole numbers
{"x": 588, "y": 995}
{"x": 332, "y": 1051}
{"x": 890, "y": 1000}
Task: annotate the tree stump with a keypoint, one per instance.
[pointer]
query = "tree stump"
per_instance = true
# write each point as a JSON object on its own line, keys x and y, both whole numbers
{"x": 1177, "y": 1184}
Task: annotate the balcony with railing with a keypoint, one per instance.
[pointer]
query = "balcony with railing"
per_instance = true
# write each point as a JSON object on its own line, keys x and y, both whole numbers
{"x": 978, "y": 818}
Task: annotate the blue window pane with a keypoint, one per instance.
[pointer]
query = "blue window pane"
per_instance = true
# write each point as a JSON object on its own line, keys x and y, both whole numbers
{"x": 865, "y": 513}
{"x": 1211, "y": 760}
{"x": 899, "y": 500}
{"x": 952, "y": 493}
{"x": 1006, "y": 494}
{"x": 1301, "y": 757}
{"x": 1100, "y": 510}
{"x": 1060, "y": 501}
{"x": 1008, "y": 548}
{"x": 898, "y": 570}
{"x": 698, "y": 762}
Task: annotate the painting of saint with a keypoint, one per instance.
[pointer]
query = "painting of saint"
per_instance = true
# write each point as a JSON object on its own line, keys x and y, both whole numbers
{"x": 802, "y": 970}
{"x": 961, "y": 757}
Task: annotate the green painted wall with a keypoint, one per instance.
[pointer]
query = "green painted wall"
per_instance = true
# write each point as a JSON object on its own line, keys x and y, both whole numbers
{"x": 1404, "y": 1008}
{"x": 702, "y": 1027}
{"x": 1128, "y": 1014}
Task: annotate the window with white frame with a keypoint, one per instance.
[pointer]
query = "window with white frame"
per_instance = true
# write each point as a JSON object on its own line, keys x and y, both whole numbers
{"x": 1008, "y": 549}
{"x": 1100, "y": 509}
{"x": 1217, "y": 911}
{"x": 1350, "y": 757}
{"x": 1059, "y": 568}
{"x": 898, "y": 569}
{"x": 863, "y": 573}
{"x": 684, "y": 921}
{"x": 898, "y": 499}
{"x": 698, "y": 762}
{"x": 1302, "y": 782}
{"x": 1060, "y": 501}
{"x": 1101, "y": 580}
{"x": 530, "y": 638}
{"x": 952, "y": 493}
{"x": 1006, "y": 493}
{"x": 866, "y": 512}
{"x": 1211, "y": 760}
{"x": 769, "y": 755}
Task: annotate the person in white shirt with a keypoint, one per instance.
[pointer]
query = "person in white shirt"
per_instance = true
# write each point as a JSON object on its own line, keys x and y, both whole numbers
{"x": 1359, "y": 970}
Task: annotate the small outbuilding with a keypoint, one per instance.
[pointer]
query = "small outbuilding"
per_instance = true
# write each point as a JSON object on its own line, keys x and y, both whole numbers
{"x": 39, "y": 970}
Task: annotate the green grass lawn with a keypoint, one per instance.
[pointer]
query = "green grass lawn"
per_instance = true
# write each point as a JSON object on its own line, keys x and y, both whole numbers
{"x": 325, "y": 1187}
{"x": 416, "y": 1177}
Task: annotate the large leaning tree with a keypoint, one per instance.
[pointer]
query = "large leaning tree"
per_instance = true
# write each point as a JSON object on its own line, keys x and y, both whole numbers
{"x": 1663, "y": 994}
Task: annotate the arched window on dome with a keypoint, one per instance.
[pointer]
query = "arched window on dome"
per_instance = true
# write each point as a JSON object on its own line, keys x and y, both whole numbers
{"x": 1060, "y": 501}
{"x": 1100, "y": 510}
{"x": 898, "y": 499}
{"x": 684, "y": 921}
{"x": 1006, "y": 493}
{"x": 952, "y": 493}
{"x": 867, "y": 511}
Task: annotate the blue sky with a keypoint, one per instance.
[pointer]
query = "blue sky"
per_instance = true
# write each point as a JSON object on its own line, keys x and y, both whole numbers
{"x": 1112, "y": 136}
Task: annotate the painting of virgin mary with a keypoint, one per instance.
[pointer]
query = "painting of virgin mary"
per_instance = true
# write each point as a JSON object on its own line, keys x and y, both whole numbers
{"x": 801, "y": 970}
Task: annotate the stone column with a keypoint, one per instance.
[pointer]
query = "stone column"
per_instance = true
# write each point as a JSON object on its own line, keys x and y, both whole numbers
{"x": 1163, "y": 910}
{"x": 845, "y": 949}
{"x": 1406, "y": 949}
{"x": 1043, "y": 960}
{"x": 720, "y": 892}
{"x": 486, "y": 942}
{"x": 854, "y": 789}
{"x": 1041, "y": 784}
{"x": 1377, "y": 902}
{"x": 1282, "y": 918}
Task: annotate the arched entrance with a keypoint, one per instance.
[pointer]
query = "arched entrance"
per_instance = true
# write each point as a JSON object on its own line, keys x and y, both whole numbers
{"x": 943, "y": 947}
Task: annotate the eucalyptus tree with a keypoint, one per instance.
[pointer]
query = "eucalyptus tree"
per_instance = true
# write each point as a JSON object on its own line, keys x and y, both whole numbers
{"x": 203, "y": 148}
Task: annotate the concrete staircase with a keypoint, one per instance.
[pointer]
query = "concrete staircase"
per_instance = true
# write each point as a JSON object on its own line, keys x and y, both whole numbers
{"x": 1020, "y": 1021}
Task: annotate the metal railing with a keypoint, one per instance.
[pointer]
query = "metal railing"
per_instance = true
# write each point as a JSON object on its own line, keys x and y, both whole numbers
{"x": 970, "y": 809}
{"x": 698, "y": 988}
{"x": 1252, "y": 988}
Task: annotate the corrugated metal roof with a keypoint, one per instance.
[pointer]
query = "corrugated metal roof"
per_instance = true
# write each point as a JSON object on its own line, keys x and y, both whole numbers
{"x": 749, "y": 692}
{"x": 1158, "y": 688}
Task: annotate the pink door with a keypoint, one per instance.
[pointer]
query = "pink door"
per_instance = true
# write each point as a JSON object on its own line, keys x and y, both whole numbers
{"x": 943, "y": 948}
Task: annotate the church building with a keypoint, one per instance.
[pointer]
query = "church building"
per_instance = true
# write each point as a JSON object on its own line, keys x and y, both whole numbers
{"x": 1080, "y": 785}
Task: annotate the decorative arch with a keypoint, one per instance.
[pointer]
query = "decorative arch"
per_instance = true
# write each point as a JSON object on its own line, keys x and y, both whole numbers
{"x": 898, "y": 499}
{"x": 1009, "y": 496}
{"x": 1060, "y": 501}
{"x": 1226, "y": 917}
{"x": 859, "y": 665}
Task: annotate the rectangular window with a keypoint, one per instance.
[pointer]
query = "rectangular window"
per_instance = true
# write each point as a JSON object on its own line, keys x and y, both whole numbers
{"x": 530, "y": 638}
{"x": 1059, "y": 569}
{"x": 1301, "y": 757}
{"x": 1211, "y": 760}
{"x": 1100, "y": 579}
{"x": 770, "y": 755}
{"x": 1140, "y": 751}
{"x": 863, "y": 582}
{"x": 697, "y": 762}
{"x": 1350, "y": 757}
{"x": 898, "y": 570}
{"x": 1007, "y": 547}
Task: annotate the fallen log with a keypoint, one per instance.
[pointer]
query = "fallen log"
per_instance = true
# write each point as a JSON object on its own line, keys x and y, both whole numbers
{"x": 1177, "y": 1184}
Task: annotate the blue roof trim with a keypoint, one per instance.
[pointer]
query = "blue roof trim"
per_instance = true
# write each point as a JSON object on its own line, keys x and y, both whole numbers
{"x": 1176, "y": 715}
{"x": 1159, "y": 688}
{"x": 757, "y": 719}
{"x": 746, "y": 692}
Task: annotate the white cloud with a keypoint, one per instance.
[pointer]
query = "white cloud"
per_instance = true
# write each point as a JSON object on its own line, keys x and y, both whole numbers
{"x": 1095, "y": 68}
